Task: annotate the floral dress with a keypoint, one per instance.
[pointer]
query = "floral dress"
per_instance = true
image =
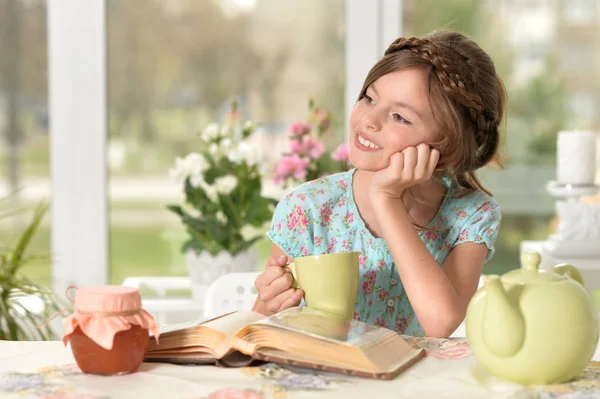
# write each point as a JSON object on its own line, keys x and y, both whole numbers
{"x": 321, "y": 217}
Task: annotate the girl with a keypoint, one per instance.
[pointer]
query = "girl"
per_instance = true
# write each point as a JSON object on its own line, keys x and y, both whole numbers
{"x": 426, "y": 119}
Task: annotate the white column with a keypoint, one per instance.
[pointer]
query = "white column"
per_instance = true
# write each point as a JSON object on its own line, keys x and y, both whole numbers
{"x": 371, "y": 25}
{"x": 77, "y": 100}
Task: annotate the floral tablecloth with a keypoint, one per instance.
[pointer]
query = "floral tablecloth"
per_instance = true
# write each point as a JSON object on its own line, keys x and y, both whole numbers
{"x": 47, "y": 370}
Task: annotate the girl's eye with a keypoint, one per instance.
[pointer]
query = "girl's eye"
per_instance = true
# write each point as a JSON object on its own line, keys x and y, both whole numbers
{"x": 399, "y": 118}
{"x": 368, "y": 99}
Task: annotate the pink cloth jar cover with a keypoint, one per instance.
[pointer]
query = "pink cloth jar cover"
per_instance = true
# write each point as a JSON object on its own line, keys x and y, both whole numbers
{"x": 103, "y": 311}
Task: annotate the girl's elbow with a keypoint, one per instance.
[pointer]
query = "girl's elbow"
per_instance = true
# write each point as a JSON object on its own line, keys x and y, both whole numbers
{"x": 442, "y": 327}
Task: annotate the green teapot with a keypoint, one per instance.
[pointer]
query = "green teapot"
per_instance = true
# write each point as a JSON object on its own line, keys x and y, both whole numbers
{"x": 531, "y": 326}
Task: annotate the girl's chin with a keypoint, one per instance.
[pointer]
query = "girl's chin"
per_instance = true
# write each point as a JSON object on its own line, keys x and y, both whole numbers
{"x": 366, "y": 166}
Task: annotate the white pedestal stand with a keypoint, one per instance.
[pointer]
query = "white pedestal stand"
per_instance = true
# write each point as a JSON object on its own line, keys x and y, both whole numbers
{"x": 577, "y": 240}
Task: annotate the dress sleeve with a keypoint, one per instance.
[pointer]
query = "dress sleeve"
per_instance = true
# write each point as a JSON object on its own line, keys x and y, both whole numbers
{"x": 292, "y": 226}
{"x": 482, "y": 227}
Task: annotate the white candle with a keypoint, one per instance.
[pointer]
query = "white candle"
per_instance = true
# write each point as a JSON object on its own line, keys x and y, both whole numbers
{"x": 576, "y": 158}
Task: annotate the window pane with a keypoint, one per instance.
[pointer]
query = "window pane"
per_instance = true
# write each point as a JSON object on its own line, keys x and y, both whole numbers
{"x": 24, "y": 140}
{"x": 173, "y": 68}
{"x": 548, "y": 64}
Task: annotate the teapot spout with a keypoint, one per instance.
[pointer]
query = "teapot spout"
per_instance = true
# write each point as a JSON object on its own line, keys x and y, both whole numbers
{"x": 503, "y": 329}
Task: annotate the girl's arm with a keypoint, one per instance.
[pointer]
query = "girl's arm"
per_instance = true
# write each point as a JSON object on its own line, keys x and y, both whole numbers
{"x": 439, "y": 296}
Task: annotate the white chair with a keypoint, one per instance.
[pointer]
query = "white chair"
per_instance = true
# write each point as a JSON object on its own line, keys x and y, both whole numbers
{"x": 230, "y": 292}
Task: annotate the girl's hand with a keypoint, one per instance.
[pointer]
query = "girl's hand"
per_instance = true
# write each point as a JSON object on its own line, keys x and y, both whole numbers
{"x": 412, "y": 166}
{"x": 274, "y": 285}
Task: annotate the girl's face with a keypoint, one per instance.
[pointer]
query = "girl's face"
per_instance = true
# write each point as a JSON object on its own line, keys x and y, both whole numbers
{"x": 393, "y": 114}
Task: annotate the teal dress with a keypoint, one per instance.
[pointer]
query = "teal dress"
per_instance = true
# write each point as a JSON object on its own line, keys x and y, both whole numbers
{"x": 321, "y": 217}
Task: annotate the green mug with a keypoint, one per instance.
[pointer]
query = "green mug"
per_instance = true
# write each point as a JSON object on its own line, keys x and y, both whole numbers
{"x": 329, "y": 282}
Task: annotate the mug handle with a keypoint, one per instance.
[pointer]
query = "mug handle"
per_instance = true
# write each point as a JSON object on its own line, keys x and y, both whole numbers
{"x": 292, "y": 269}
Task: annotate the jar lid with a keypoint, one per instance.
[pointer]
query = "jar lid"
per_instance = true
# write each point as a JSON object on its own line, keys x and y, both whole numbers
{"x": 108, "y": 298}
{"x": 103, "y": 311}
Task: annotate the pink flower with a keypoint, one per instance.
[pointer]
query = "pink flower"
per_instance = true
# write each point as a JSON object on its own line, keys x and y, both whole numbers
{"x": 461, "y": 214}
{"x": 307, "y": 146}
{"x": 296, "y": 147}
{"x": 349, "y": 217}
{"x": 323, "y": 118}
{"x": 401, "y": 325}
{"x": 380, "y": 322}
{"x": 383, "y": 294}
{"x": 312, "y": 147}
{"x": 326, "y": 213}
{"x": 234, "y": 393}
{"x": 341, "y": 153}
{"x": 367, "y": 286}
{"x": 290, "y": 165}
{"x": 299, "y": 128}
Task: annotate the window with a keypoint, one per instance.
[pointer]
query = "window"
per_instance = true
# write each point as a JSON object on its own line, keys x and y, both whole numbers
{"x": 580, "y": 12}
{"x": 544, "y": 80}
{"x": 174, "y": 67}
{"x": 24, "y": 136}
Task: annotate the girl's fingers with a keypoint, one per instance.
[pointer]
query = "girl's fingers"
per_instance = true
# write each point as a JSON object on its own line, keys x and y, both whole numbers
{"x": 410, "y": 161}
{"x": 423, "y": 155}
{"x": 434, "y": 159}
{"x": 293, "y": 300}
{"x": 275, "y": 303}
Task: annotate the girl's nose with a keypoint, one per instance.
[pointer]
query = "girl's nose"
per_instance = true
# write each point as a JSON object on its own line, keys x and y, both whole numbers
{"x": 372, "y": 121}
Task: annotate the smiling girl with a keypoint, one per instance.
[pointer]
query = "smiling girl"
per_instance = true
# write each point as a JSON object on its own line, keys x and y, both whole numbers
{"x": 426, "y": 119}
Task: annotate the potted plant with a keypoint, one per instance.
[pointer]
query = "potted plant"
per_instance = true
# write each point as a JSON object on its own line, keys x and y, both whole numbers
{"x": 308, "y": 159}
{"x": 18, "y": 321}
{"x": 224, "y": 209}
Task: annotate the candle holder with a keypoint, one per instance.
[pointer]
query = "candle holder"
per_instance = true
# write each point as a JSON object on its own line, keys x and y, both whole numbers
{"x": 578, "y": 232}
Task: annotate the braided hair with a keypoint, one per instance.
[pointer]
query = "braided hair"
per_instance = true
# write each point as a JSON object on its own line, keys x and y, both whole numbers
{"x": 466, "y": 96}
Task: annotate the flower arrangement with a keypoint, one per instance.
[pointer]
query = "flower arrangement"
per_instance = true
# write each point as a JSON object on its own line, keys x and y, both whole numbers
{"x": 308, "y": 159}
{"x": 223, "y": 208}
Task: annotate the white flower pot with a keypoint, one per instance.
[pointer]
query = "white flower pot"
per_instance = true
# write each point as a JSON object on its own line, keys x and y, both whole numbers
{"x": 205, "y": 268}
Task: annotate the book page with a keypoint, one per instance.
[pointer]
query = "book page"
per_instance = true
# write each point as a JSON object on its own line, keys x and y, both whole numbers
{"x": 230, "y": 324}
{"x": 178, "y": 326}
{"x": 316, "y": 324}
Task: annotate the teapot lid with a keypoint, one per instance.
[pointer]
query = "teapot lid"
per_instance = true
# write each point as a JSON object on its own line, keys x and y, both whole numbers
{"x": 530, "y": 273}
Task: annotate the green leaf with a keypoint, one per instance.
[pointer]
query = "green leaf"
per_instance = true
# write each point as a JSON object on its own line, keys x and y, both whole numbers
{"x": 175, "y": 209}
{"x": 25, "y": 239}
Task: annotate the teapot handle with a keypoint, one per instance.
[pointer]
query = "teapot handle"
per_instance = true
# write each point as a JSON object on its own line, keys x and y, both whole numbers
{"x": 571, "y": 271}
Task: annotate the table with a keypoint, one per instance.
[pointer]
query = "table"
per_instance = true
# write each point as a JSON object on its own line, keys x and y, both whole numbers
{"x": 47, "y": 370}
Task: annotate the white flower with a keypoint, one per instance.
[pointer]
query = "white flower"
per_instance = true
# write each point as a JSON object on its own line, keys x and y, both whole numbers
{"x": 244, "y": 152}
{"x": 224, "y": 131}
{"x": 196, "y": 164}
{"x": 196, "y": 181}
{"x": 226, "y": 184}
{"x": 213, "y": 149}
{"x": 193, "y": 165}
{"x": 221, "y": 217}
{"x": 178, "y": 173}
{"x": 211, "y": 191}
{"x": 211, "y": 132}
{"x": 225, "y": 144}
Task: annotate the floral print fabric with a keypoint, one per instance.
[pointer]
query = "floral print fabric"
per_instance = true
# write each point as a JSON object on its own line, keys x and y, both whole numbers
{"x": 321, "y": 217}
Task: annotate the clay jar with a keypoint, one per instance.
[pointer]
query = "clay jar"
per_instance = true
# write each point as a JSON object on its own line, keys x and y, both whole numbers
{"x": 109, "y": 330}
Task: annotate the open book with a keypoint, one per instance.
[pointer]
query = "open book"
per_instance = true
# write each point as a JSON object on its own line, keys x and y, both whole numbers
{"x": 298, "y": 336}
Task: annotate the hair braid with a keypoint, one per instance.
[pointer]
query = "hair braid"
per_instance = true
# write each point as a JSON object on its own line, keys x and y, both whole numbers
{"x": 466, "y": 96}
{"x": 453, "y": 86}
